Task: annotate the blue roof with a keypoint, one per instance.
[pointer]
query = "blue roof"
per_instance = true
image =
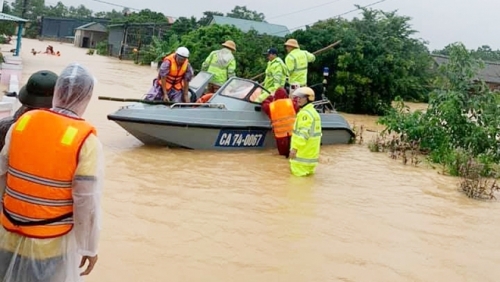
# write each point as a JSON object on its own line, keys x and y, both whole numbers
{"x": 10, "y": 18}
{"x": 247, "y": 25}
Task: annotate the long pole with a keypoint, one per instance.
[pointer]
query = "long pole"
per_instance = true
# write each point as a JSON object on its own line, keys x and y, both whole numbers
{"x": 314, "y": 53}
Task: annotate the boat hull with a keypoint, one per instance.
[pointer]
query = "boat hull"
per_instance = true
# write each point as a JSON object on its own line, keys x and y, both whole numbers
{"x": 202, "y": 130}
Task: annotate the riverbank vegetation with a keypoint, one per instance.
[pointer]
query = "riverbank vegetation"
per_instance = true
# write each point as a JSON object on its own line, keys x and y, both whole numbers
{"x": 459, "y": 130}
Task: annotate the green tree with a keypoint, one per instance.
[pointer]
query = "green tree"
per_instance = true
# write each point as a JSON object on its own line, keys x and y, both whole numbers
{"x": 484, "y": 53}
{"x": 463, "y": 117}
{"x": 376, "y": 61}
{"x": 242, "y": 12}
{"x": 207, "y": 17}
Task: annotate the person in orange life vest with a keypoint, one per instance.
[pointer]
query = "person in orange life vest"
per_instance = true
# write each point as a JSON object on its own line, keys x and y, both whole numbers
{"x": 37, "y": 93}
{"x": 174, "y": 75}
{"x": 282, "y": 143}
{"x": 51, "y": 188}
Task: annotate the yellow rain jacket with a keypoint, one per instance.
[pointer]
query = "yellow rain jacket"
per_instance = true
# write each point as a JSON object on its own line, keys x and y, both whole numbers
{"x": 306, "y": 139}
{"x": 297, "y": 61}
{"x": 221, "y": 64}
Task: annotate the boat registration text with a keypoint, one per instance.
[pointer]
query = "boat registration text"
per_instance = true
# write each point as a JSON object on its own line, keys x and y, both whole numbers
{"x": 240, "y": 138}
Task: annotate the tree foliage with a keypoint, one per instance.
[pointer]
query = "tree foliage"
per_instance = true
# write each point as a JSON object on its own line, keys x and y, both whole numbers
{"x": 484, "y": 53}
{"x": 462, "y": 120}
{"x": 242, "y": 12}
{"x": 376, "y": 61}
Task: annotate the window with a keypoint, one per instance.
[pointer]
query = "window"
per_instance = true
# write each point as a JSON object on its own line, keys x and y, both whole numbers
{"x": 240, "y": 89}
{"x": 237, "y": 88}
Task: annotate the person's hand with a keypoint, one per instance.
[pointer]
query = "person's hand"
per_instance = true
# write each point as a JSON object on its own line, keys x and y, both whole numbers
{"x": 92, "y": 261}
{"x": 293, "y": 154}
{"x": 165, "y": 98}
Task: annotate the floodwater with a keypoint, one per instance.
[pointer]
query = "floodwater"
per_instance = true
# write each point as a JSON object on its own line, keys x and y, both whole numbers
{"x": 180, "y": 215}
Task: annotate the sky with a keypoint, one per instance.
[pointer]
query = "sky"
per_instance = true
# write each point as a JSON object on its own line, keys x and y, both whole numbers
{"x": 440, "y": 22}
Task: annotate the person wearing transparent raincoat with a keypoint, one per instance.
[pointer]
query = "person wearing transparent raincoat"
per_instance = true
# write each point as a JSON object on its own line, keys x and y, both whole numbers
{"x": 51, "y": 185}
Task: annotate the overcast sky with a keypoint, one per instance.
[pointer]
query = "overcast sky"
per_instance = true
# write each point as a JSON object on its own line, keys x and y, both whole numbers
{"x": 473, "y": 22}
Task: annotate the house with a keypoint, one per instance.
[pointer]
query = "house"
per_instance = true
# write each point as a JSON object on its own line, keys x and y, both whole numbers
{"x": 247, "y": 25}
{"x": 124, "y": 38}
{"x": 63, "y": 28}
{"x": 490, "y": 74}
{"x": 88, "y": 35}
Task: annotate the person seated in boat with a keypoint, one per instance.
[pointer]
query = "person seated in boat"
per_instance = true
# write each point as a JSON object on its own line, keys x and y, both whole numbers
{"x": 282, "y": 115}
{"x": 172, "y": 83}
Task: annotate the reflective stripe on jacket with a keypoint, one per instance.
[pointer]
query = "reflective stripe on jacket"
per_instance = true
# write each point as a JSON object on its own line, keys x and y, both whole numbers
{"x": 222, "y": 64}
{"x": 306, "y": 137}
{"x": 43, "y": 157}
{"x": 175, "y": 75}
{"x": 282, "y": 115}
{"x": 297, "y": 61}
{"x": 276, "y": 73}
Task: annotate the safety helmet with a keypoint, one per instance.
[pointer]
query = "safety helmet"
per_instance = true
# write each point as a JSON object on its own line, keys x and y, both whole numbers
{"x": 183, "y": 52}
{"x": 305, "y": 92}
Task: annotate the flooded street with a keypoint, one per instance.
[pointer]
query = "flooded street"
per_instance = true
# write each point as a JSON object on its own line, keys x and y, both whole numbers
{"x": 181, "y": 215}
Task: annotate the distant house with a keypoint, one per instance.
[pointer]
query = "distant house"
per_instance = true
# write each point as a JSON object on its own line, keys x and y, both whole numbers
{"x": 61, "y": 28}
{"x": 490, "y": 74}
{"x": 88, "y": 35}
{"x": 124, "y": 38}
{"x": 247, "y": 25}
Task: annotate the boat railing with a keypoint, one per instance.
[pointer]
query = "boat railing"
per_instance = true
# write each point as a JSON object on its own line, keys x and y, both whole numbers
{"x": 324, "y": 105}
{"x": 209, "y": 105}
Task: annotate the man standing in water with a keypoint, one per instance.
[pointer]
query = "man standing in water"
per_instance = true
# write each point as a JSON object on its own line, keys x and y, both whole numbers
{"x": 306, "y": 137}
{"x": 51, "y": 185}
{"x": 172, "y": 83}
{"x": 37, "y": 93}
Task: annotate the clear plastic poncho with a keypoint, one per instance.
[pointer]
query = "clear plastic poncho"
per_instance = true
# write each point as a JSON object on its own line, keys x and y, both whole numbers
{"x": 24, "y": 259}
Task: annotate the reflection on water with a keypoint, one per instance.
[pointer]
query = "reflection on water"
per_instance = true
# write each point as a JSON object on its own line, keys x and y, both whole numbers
{"x": 181, "y": 215}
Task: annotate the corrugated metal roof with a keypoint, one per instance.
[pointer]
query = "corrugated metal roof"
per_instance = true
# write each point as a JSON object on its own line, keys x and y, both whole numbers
{"x": 247, "y": 25}
{"x": 10, "y": 18}
{"x": 93, "y": 26}
{"x": 490, "y": 73}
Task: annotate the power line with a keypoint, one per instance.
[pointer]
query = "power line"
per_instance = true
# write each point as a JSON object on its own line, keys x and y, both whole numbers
{"x": 113, "y": 4}
{"x": 345, "y": 13}
{"x": 300, "y": 11}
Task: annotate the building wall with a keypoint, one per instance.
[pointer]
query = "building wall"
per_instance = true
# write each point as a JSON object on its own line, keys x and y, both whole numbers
{"x": 62, "y": 27}
{"x": 115, "y": 38}
{"x": 136, "y": 36}
{"x": 78, "y": 38}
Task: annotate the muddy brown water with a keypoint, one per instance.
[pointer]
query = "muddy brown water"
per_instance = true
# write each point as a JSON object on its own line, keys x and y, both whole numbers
{"x": 180, "y": 215}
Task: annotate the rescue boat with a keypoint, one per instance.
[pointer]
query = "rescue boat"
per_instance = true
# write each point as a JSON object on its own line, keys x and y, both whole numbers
{"x": 229, "y": 120}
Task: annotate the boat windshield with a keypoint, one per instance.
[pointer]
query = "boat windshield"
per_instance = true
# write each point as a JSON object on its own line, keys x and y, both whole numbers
{"x": 240, "y": 89}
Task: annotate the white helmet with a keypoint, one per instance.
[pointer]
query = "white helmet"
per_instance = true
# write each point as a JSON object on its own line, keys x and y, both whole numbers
{"x": 182, "y": 51}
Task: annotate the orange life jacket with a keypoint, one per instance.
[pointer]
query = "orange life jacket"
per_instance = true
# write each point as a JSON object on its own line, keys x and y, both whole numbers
{"x": 205, "y": 98}
{"x": 175, "y": 75}
{"x": 282, "y": 115}
{"x": 43, "y": 156}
